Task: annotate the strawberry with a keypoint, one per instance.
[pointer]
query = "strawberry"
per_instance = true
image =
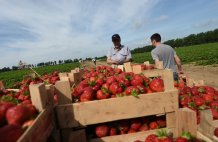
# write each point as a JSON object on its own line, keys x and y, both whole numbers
{"x": 123, "y": 126}
{"x": 194, "y": 90}
{"x": 135, "y": 124}
{"x": 87, "y": 95}
{"x": 161, "y": 123}
{"x": 101, "y": 95}
{"x": 4, "y": 106}
{"x": 131, "y": 131}
{"x": 142, "y": 89}
{"x": 163, "y": 136}
{"x": 113, "y": 131}
{"x": 17, "y": 114}
{"x": 153, "y": 125}
{"x": 185, "y": 137}
{"x": 198, "y": 100}
{"x": 137, "y": 80}
{"x": 102, "y": 131}
{"x": 132, "y": 90}
{"x": 151, "y": 138}
{"x": 157, "y": 85}
{"x": 144, "y": 128}
{"x": 115, "y": 88}
{"x": 208, "y": 98}
{"x": 216, "y": 132}
{"x": 10, "y": 133}
{"x": 110, "y": 80}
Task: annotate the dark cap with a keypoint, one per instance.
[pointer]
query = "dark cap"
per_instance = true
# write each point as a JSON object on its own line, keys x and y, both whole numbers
{"x": 115, "y": 36}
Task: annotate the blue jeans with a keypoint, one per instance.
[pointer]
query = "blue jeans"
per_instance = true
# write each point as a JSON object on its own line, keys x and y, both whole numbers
{"x": 175, "y": 76}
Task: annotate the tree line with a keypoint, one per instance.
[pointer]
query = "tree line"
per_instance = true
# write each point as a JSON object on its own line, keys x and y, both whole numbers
{"x": 192, "y": 39}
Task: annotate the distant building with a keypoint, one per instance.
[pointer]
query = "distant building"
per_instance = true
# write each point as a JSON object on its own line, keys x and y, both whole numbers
{"x": 23, "y": 65}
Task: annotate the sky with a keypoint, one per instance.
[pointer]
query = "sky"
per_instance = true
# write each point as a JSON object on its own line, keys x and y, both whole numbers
{"x": 46, "y": 30}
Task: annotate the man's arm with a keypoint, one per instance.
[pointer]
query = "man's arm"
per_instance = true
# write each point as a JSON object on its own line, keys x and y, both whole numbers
{"x": 110, "y": 61}
{"x": 178, "y": 63}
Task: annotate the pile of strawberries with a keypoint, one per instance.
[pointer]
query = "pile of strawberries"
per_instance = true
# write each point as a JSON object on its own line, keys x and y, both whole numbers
{"x": 16, "y": 110}
{"x": 14, "y": 117}
{"x": 128, "y": 126}
{"x": 199, "y": 98}
{"x": 105, "y": 82}
{"x": 163, "y": 136}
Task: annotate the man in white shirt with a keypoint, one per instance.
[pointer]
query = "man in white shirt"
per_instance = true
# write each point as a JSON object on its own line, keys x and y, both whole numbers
{"x": 118, "y": 54}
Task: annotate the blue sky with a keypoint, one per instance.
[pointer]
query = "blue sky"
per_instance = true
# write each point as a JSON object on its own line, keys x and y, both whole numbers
{"x": 43, "y": 30}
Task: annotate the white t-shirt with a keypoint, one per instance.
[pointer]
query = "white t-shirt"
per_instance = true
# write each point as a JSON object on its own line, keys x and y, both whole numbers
{"x": 119, "y": 55}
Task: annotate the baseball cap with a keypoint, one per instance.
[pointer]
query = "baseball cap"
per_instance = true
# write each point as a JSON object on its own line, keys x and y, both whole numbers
{"x": 115, "y": 36}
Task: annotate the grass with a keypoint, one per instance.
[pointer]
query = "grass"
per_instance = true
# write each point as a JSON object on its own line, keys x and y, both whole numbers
{"x": 11, "y": 77}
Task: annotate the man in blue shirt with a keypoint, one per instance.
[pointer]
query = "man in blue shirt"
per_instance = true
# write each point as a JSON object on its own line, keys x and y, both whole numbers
{"x": 167, "y": 54}
{"x": 118, "y": 54}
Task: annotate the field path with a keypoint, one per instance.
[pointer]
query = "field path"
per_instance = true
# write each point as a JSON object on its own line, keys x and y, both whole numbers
{"x": 207, "y": 73}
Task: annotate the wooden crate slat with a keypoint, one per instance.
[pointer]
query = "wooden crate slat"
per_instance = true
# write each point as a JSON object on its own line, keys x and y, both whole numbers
{"x": 39, "y": 96}
{"x": 186, "y": 121}
{"x": 63, "y": 92}
{"x": 137, "y": 69}
{"x": 73, "y": 136}
{"x": 127, "y": 67}
{"x": 40, "y": 129}
{"x": 73, "y": 115}
{"x": 207, "y": 124}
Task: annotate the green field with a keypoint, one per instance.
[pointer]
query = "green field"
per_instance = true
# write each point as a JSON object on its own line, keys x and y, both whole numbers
{"x": 12, "y": 77}
{"x": 205, "y": 54}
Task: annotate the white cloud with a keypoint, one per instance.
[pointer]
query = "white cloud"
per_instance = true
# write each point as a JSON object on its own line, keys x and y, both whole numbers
{"x": 161, "y": 18}
{"x": 66, "y": 29}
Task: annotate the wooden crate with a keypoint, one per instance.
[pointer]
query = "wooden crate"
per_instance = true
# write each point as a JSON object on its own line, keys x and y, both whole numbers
{"x": 182, "y": 115}
{"x": 129, "y": 67}
{"x": 44, "y": 124}
{"x": 208, "y": 125}
{"x": 93, "y": 112}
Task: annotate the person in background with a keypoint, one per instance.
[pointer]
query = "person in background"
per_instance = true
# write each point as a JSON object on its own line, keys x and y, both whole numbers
{"x": 167, "y": 54}
{"x": 118, "y": 54}
{"x": 94, "y": 61}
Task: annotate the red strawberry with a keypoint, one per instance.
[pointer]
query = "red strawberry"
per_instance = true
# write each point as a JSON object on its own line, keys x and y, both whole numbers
{"x": 115, "y": 88}
{"x": 198, "y": 101}
{"x": 101, "y": 95}
{"x": 137, "y": 80}
{"x": 161, "y": 123}
{"x": 194, "y": 90}
{"x": 132, "y": 90}
{"x": 135, "y": 124}
{"x": 157, "y": 85}
{"x": 113, "y": 131}
{"x": 208, "y": 98}
{"x": 123, "y": 126}
{"x": 110, "y": 80}
{"x": 4, "y": 106}
{"x": 214, "y": 112}
{"x": 102, "y": 131}
{"x": 17, "y": 114}
{"x": 10, "y": 133}
{"x": 144, "y": 128}
{"x": 142, "y": 89}
{"x": 216, "y": 132}
{"x": 100, "y": 81}
{"x": 118, "y": 71}
{"x": 153, "y": 125}
{"x": 88, "y": 95}
{"x": 131, "y": 131}
{"x": 185, "y": 137}
{"x": 151, "y": 138}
